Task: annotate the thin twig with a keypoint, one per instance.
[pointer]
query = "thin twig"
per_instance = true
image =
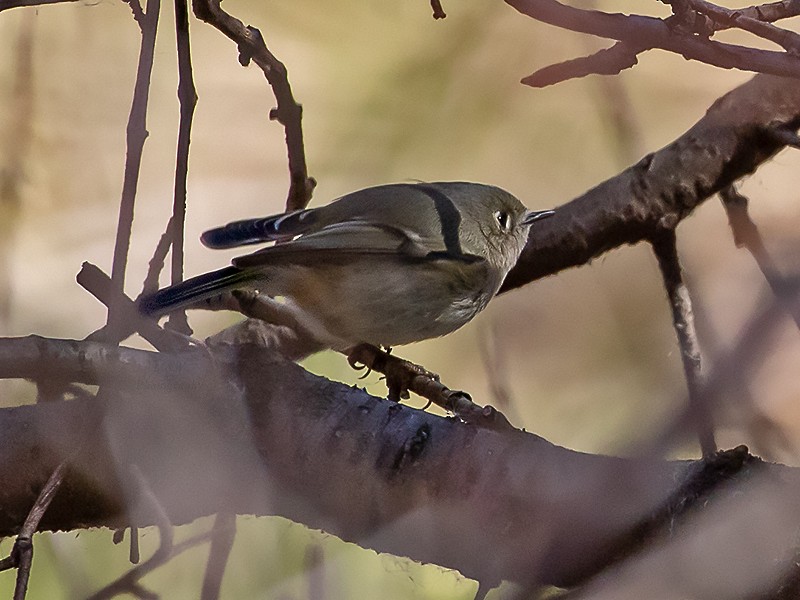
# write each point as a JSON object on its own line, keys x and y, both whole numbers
{"x": 156, "y": 263}
{"x": 135, "y": 138}
{"x": 222, "y": 536}
{"x": 765, "y": 433}
{"x": 652, "y": 32}
{"x": 187, "y": 96}
{"x": 21, "y": 555}
{"x": 24, "y": 543}
{"x": 608, "y": 61}
{"x": 6, "y": 4}
{"x": 746, "y": 235}
{"x": 727, "y": 18}
{"x": 288, "y": 112}
{"x": 664, "y": 246}
{"x": 101, "y": 287}
{"x": 136, "y": 10}
{"x": 748, "y": 351}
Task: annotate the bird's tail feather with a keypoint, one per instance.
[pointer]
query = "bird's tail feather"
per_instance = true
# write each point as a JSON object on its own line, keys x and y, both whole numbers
{"x": 192, "y": 291}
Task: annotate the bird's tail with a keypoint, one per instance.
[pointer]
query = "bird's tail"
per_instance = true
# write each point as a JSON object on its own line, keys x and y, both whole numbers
{"x": 192, "y": 291}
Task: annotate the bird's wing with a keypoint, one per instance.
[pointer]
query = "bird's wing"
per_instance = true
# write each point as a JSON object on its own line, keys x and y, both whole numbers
{"x": 342, "y": 241}
{"x": 263, "y": 229}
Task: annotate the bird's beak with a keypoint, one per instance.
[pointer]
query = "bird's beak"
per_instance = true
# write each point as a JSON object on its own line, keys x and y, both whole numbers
{"x": 535, "y": 215}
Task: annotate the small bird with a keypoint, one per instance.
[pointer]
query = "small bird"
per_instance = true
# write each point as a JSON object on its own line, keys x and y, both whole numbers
{"x": 386, "y": 265}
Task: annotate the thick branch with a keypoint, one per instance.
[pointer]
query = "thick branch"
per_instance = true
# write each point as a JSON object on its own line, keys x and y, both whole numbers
{"x": 734, "y": 137}
{"x": 493, "y": 505}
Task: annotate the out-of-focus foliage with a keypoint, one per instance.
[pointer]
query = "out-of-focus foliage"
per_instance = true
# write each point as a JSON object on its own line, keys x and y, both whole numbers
{"x": 388, "y": 95}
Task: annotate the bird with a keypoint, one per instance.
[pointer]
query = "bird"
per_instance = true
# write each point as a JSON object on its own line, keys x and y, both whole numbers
{"x": 386, "y": 265}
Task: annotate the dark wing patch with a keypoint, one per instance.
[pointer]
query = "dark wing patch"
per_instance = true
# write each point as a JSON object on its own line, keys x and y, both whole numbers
{"x": 343, "y": 241}
{"x": 258, "y": 231}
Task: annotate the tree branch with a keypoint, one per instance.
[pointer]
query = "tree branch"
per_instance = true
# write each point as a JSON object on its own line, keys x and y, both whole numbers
{"x": 333, "y": 457}
{"x": 651, "y": 32}
{"x": 288, "y": 112}
{"x": 730, "y": 141}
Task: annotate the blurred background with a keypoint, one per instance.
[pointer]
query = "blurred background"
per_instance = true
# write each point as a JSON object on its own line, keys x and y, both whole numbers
{"x": 586, "y": 358}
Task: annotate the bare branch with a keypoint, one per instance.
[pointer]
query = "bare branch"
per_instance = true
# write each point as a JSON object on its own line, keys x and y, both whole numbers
{"x": 747, "y": 353}
{"x": 735, "y": 136}
{"x": 404, "y": 469}
{"x": 6, "y": 4}
{"x": 725, "y": 18}
{"x": 288, "y": 112}
{"x": 135, "y": 139}
{"x": 609, "y": 61}
{"x": 187, "y": 96}
{"x": 746, "y": 234}
{"x": 22, "y": 553}
{"x": 222, "y": 536}
{"x": 651, "y": 32}
{"x": 438, "y": 11}
{"x": 666, "y": 252}
{"x": 101, "y": 287}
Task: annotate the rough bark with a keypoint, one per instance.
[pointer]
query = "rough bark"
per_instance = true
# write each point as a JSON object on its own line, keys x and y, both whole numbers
{"x": 739, "y": 132}
{"x": 241, "y": 430}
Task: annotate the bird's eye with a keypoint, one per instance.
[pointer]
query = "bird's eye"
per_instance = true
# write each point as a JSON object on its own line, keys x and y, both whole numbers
{"x": 503, "y": 219}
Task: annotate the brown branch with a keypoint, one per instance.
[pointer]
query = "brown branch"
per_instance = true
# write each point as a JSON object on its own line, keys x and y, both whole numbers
{"x": 222, "y": 536}
{"x": 438, "y": 11}
{"x": 21, "y": 555}
{"x": 664, "y": 246}
{"x": 187, "y": 96}
{"x": 746, "y": 235}
{"x": 270, "y": 438}
{"x": 135, "y": 138}
{"x": 156, "y": 262}
{"x": 734, "y": 137}
{"x": 288, "y": 112}
{"x": 6, "y": 4}
{"x": 101, "y": 287}
{"x": 651, "y": 32}
{"x": 609, "y": 61}
{"x": 136, "y": 11}
{"x": 747, "y": 353}
{"x": 724, "y": 18}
